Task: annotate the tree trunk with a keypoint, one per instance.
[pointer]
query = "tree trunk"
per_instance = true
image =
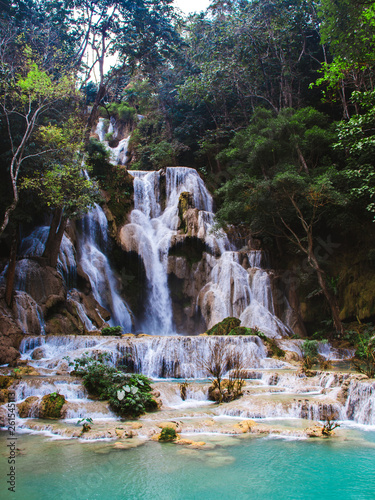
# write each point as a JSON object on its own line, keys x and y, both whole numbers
{"x": 11, "y": 273}
{"x": 55, "y": 235}
{"x": 331, "y": 299}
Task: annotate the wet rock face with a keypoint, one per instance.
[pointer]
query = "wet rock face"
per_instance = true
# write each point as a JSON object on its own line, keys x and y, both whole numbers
{"x": 11, "y": 334}
{"x": 44, "y": 284}
{"x": 29, "y": 407}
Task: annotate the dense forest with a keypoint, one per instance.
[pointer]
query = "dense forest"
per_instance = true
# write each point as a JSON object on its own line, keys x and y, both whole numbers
{"x": 272, "y": 101}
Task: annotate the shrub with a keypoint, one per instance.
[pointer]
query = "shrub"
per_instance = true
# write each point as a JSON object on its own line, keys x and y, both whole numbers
{"x": 128, "y": 395}
{"x": 168, "y": 434}
{"x": 120, "y": 111}
{"x": 112, "y": 330}
{"x": 309, "y": 350}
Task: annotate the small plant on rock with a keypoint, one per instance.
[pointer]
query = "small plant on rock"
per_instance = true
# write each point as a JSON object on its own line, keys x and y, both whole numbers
{"x": 85, "y": 424}
{"x": 168, "y": 434}
{"x": 309, "y": 350}
{"x": 112, "y": 330}
{"x": 183, "y": 389}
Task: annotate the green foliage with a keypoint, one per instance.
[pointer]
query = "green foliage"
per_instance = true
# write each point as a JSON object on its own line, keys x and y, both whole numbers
{"x": 112, "y": 330}
{"x": 119, "y": 110}
{"x": 168, "y": 434}
{"x": 224, "y": 327}
{"x": 98, "y": 158}
{"x": 356, "y": 137}
{"x": 128, "y": 395}
{"x": 309, "y": 350}
{"x": 242, "y": 330}
{"x": 363, "y": 338}
{"x": 271, "y": 344}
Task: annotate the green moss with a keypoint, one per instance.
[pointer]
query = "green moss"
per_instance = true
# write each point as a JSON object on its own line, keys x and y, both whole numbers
{"x": 112, "y": 330}
{"x": 168, "y": 434}
{"x": 51, "y": 405}
{"x": 224, "y": 327}
{"x": 119, "y": 187}
{"x": 184, "y": 203}
{"x": 272, "y": 345}
{"x": 5, "y": 381}
{"x": 241, "y": 330}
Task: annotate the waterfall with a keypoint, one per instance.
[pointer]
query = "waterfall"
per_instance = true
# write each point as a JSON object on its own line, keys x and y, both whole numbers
{"x": 156, "y": 357}
{"x": 233, "y": 288}
{"x": 92, "y": 243}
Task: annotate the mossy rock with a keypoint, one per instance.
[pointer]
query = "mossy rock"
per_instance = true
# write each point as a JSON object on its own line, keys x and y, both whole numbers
{"x": 5, "y": 381}
{"x": 168, "y": 434}
{"x": 51, "y": 406}
{"x": 271, "y": 344}
{"x": 28, "y": 407}
{"x": 224, "y": 327}
{"x": 185, "y": 202}
{"x": 242, "y": 330}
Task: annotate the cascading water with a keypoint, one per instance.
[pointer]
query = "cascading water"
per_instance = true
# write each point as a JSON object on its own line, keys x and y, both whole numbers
{"x": 92, "y": 242}
{"x": 236, "y": 286}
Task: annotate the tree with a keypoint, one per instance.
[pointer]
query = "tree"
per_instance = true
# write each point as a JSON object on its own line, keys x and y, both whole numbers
{"x": 347, "y": 27}
{"x": 61, "y": 184}
{"x": 245, "y": 55}
{"x": 27, "y": 93}
{"x": 356, "y": 137}
{"x": 220, "y": 360}
{"x": 140, "y": 34}
{"x": 287, "y": 183}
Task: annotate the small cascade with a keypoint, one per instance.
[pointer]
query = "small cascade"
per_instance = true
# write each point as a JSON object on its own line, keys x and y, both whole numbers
{"x": 33, "y": 246}
{"x": 92, "y": 242}
{"x": 193, "y": 395}
{"x": 360, "y": 403}
{"x": 155, "y": 357}
{"x": 29, "y": 314}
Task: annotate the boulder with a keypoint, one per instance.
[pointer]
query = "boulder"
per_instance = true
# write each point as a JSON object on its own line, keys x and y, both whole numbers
{"x": 29, "y": 407}
{"x": 51, "y": 406}
{"x": 38, "y": 353}
{"x": 43, "y": 283}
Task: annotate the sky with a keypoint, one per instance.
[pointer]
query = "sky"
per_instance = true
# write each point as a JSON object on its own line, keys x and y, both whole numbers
{"x": 188, "y": 6}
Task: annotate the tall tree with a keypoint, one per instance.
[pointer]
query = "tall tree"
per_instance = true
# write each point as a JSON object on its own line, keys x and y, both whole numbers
{"x": 138, "y": 35}
{"x": 284, "y": 183}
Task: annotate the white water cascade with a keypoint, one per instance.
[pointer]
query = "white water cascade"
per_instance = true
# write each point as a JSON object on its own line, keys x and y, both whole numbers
{"x": 92, "y": 243}
{"x": 236, "y": 284}
{"x": 273, "y": 388}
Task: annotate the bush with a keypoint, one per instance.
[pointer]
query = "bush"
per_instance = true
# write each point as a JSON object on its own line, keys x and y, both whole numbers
{"x": 108, "y": 137}
{"x": 168, "y": 434}
{"x": 128, "y": 395}
{"x": 112, "y": 330}
{"x": 309, "y": 350}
